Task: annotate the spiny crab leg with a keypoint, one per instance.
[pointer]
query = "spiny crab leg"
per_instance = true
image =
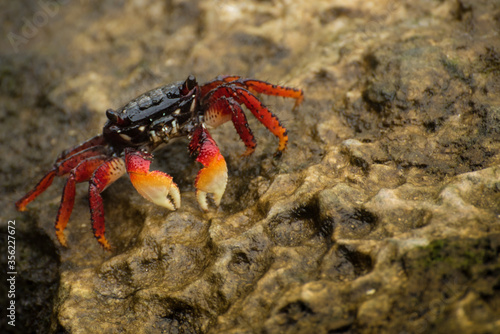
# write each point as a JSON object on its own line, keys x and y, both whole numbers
{"x": 92, "y": 142}
{"x": 80, "y": 173}
{"x": 211, "y": 179}
{"x": 258, "y": 109}
{"x": 225, "y": 109}
{"x": 256, "y": 86}
{"x": 40, "y": 187}
{"x": 107, "y": 173}
{"x": 60, "y": 168}
{"x": 155, "y": 186}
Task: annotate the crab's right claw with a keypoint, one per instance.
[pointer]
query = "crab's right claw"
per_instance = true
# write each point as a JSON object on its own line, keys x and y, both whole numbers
{"x": 155, "y": 186}
{"x": 211, "y": 179}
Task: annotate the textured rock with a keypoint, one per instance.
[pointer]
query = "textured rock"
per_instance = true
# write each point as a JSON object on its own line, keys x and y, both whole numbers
{"x": 383, "y": 215}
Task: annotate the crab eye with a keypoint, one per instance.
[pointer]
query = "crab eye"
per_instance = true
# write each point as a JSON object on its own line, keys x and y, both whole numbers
{"x": 113, "y": 117}
{"x": 189, "y": 84}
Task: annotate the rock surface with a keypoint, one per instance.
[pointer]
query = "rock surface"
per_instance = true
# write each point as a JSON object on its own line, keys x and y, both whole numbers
{"x": 382, "y": 216}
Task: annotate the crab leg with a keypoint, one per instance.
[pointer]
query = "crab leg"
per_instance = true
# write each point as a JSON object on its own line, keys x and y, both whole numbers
{"x": 265, "y": 116}
{"x": 225, "y": 109}
{"x": 256, "y": 86}
{"x": 92, "y": 142}
{"x": 220, "y": 80}
{"x": 107, "y": 173}
{"x": 60, "y": 168}
{"x": 211, "y": 179}
{"x": 258, "y": 109}
{"x": 40, "y": 187}
{"x": 155, "y": 186}
{"x": 80, "y": 173}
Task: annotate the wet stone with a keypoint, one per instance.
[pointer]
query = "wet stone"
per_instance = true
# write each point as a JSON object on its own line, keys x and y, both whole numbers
{"x": 382, "y": 215}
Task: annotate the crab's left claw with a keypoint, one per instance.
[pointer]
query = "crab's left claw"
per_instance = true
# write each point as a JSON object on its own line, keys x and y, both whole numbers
{"x": 211, "y": 179}
{"x": 155, "y": 186}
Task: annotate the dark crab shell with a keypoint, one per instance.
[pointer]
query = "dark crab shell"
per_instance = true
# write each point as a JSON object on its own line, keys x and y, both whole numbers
{"x": 153, "y": 117}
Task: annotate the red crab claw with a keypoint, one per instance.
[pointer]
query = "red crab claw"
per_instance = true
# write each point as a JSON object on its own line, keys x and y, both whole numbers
{"x": 155, "y": 186}
{"x": 211, "y": 179}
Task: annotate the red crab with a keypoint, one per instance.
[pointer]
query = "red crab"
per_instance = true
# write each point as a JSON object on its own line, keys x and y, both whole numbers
{"x": 149, "y": 121}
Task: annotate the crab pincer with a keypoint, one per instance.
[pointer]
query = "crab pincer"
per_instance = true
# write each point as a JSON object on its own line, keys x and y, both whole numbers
{"x": 155, "y": 186}
{"x": 212, "y": 178}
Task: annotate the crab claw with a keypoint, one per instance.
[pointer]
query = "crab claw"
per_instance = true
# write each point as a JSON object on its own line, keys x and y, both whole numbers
{"x": 155, "y": 186}
{"x": 211, "y": 179}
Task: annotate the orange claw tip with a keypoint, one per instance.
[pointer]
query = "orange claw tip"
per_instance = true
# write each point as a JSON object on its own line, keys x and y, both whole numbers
{"x": 20, "y": 206}
{"x": 42, "y": 185}
{"x": 299, "y": 100}
{"x": 248, "y": 152}
{"x": 61, "y": 238}
{"x": 23, "y": 202}
{"x": 104, "y": 243}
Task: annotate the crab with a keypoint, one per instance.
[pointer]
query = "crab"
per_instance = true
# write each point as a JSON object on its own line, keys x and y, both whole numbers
{"x": 148, "y": 122}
